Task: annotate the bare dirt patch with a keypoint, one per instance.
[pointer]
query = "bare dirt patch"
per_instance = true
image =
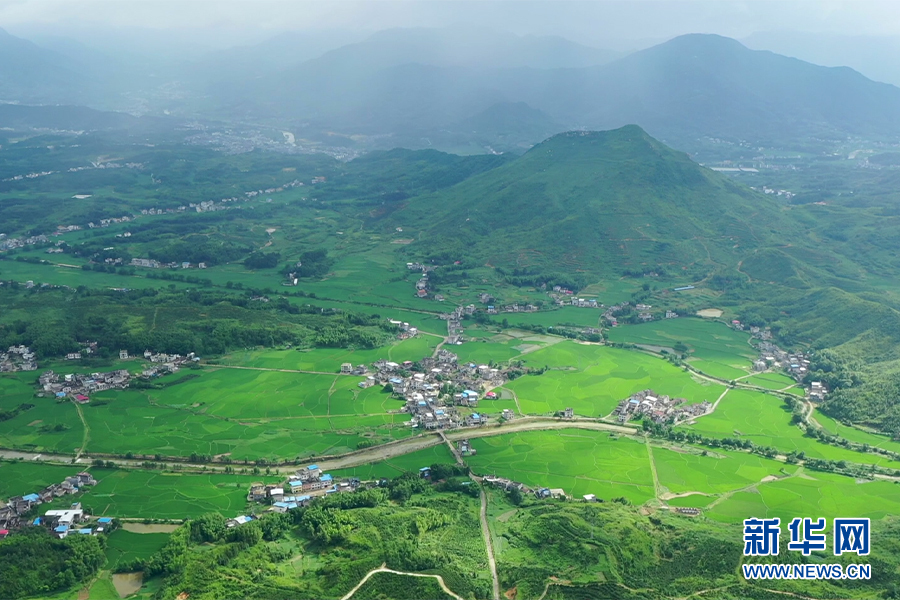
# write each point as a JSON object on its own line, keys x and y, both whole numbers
{"x": 710, "y": 313}
{"x": 403, "y": 241}
{"x": 127, "y": 584}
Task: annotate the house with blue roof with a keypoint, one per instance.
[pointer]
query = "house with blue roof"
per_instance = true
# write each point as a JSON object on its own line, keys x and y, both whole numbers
{"x": 61, "y": 531}
{"x": 104, "y": 520}
{"x": 31, "y": 498}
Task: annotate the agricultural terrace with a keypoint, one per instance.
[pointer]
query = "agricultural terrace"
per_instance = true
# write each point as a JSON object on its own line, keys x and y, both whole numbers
{"x": 593, "y": 379}
{"x": 713, "y": 347}
{"x": 765, "y": 420}
{"x": 580, "y": 462}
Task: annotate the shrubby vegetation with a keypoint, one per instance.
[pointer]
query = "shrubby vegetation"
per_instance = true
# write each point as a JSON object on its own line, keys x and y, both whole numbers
{"x": 177, "y": 321}
{"x": 346, "y": 535}
{"x": 32, "y": 562}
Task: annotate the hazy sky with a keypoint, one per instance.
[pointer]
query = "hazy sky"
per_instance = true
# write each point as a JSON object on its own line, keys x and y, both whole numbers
{"x": 227, "y": 22}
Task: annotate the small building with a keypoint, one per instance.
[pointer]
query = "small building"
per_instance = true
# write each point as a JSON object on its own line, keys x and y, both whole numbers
{"x": 425, "y": 472}
{"x": 507, "y": 414}
{"x": 590, "y": 498}
{"x": 346, "y": 368}
{"x": 569, "y": 413}
{"x": 123, "y": 354}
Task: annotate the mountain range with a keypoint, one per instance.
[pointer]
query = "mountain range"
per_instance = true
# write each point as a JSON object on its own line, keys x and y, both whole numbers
{"x": 422, "y": 87}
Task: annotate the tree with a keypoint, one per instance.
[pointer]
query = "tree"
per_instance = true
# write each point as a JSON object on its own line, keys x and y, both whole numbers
{"x": 208, "y": 528}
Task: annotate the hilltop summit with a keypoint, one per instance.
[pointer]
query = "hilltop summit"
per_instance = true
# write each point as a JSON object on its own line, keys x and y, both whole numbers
{"x": 599, "y": 202}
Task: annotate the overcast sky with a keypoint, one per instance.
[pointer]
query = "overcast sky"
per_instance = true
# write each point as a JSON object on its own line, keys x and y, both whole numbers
{"x": 227, "y": 22}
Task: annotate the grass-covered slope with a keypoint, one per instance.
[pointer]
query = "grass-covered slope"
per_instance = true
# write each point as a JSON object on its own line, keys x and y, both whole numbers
{"x": 600, "y": 202}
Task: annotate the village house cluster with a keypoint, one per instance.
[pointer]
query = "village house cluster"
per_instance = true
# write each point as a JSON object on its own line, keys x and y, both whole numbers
{"x": 149, "y": 263}
{"x": 299, "y": 489}
{"x": 17, "y": 358}
{"x": 433, "y": 394}
{"x": 658, "y": 407}
{"x": 8, "y": 243}
{"x": 94, "y": 165}
{"x": 60, "y": 522}
{"x": 78, "y": 386}
{"x": 105, "y": 222}
{"x": 507, "y": 485}
{"x": 795, "y": 364}
{"x": 454, "y": 323}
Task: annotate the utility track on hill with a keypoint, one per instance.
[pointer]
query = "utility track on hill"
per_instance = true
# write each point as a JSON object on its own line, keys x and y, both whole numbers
{"x": 383, "y": 569}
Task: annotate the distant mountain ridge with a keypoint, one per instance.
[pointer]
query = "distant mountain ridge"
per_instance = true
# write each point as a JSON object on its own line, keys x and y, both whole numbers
{"x": 459, "y": 87}
{"x": 689, "y": 87}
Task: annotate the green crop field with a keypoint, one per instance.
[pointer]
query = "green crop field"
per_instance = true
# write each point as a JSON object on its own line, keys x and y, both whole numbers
{"x": 713, "y": 347}
{"x": 19, "y": 478}
{"x": 811, "y": 493}
{"x": 854, "y": 434}
{"x": 157, "y": 495}
{"x": 723, "y": 471}
{"x": 567, "y": 315}
{"x": 580, "y": 462}
{"x": 128, "y": 422}
{"x": 122, "y": 546}
{"x": 770, "y": 381}
{"x": 500, "y": 348}
{"x": 765, "y": 420}
{"x": 593, "y": 379}
{"x": 329, "y": 360}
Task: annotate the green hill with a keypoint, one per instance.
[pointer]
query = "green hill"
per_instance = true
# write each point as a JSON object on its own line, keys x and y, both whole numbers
{"x": 600, "y": 203}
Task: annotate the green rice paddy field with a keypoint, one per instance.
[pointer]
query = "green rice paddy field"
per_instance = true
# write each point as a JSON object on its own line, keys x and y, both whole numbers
{"x": 158, "y": 495}
{"x": 811, "y": 493}
{"x": 122, "y": 546}
{"x": 20, "y": 477}
{"x": 714, "y": 348}
{"x": 770, "y": 381}
{"x": 593, "y": 379}
{"x": 722, "y": 471}
{"x": 765, "y": 419}
{"x": 855, "y": 434}
{"x": 730, "y": 486}
{"x": 580, "y": 462}
{"x": 329, "y": 360}
{"x": 501, "y": 347}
